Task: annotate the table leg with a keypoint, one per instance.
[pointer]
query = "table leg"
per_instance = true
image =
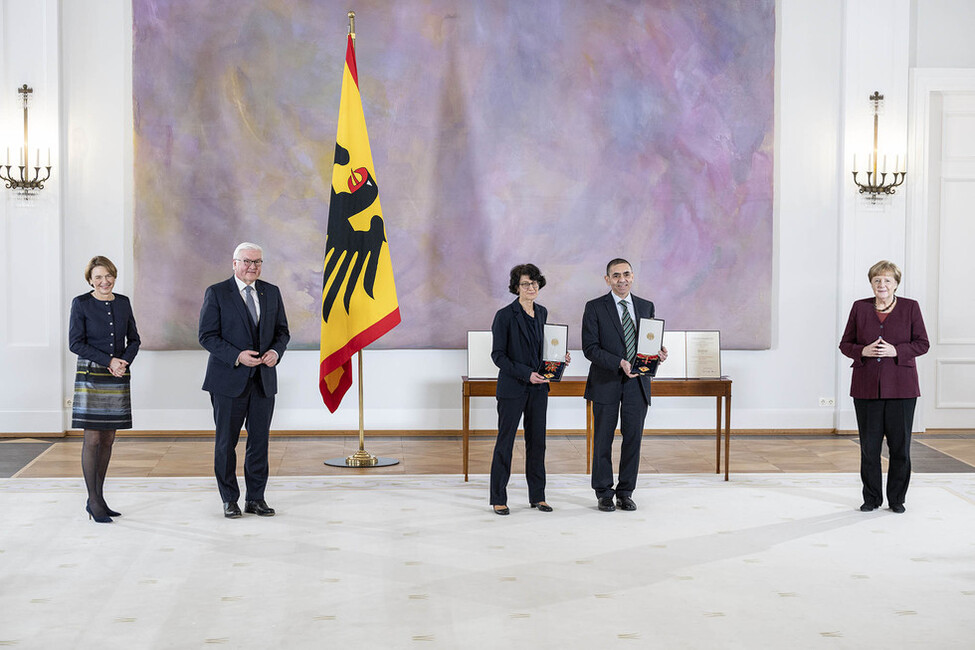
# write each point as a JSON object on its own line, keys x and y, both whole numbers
{"x": 467, "y": 432}
{"x": 717, "y": 441}
{"x": 727, "y": 435}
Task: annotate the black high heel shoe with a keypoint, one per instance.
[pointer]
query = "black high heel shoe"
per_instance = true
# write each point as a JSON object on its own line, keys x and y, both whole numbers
{"x": 108, "y": 511}
{"x": 101, "y": 520}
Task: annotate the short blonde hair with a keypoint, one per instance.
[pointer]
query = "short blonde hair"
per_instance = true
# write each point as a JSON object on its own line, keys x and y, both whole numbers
{"x": 884, "y": 267}
{"x": 100, "y": 260}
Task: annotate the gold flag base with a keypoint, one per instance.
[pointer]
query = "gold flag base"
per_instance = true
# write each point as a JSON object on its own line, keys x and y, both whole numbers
{"x": 361, "y": 458}
{"x": 355, "y": 460}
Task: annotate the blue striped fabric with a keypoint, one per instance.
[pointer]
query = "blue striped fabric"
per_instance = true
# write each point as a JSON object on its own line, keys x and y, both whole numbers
{"x": 101, "y": 400}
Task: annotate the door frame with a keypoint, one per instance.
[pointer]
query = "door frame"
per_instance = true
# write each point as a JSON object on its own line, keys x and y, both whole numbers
{"x": 927, "y": 85}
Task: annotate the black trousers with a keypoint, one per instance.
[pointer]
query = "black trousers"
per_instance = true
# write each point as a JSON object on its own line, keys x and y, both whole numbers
{"x": 533, "y": 405}
{"x": 254, "y": 409}
{"x": 878, "y": 419}
{"x": 631, "y": 412}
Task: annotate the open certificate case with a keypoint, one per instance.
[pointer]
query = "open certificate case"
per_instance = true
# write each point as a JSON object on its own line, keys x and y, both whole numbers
{"x": 554, "y": 349}
{"x": 649, "y": 338}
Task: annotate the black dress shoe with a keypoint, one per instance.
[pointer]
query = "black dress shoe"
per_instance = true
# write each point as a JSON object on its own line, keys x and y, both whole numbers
{"x": 259, "y": 508}
{"x": 231, "y": 510}
{"x": 542, "y": 507}
{"x": 606, "y": 504}
{"x": 868, "y": 507}
{"x": 899, "y": 508}
{"x": 625, "y": 503}
{"x": 502, "y": 510}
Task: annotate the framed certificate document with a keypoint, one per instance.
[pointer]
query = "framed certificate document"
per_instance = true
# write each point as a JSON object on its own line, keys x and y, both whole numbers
{"x": 554, "y": 347}
{"x": 703, "y": 354}
{"x": 649, "y": 337}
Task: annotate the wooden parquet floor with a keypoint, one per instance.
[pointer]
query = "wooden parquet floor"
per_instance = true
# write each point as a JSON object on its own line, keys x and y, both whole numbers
{"x": 305, "y": 456}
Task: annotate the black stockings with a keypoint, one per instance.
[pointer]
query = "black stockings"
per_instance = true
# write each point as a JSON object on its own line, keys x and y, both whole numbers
{"x": 95, "y": 454}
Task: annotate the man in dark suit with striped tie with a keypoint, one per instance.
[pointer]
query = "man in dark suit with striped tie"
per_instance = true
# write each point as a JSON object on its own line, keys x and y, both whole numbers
{"x": 609, "y": 329}
{"x": 244, "y": 327}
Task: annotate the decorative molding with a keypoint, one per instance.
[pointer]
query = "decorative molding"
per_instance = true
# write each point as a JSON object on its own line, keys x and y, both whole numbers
{"x": 941, "y": 381}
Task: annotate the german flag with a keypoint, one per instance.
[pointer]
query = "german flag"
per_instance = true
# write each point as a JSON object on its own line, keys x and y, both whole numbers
{"x": 358, "y": 292}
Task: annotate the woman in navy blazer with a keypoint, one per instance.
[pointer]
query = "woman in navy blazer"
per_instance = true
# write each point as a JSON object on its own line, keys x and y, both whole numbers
{"x": 518, "y": 334}
{"x": 102, "y": 332}
{"x": 883, "y": 336}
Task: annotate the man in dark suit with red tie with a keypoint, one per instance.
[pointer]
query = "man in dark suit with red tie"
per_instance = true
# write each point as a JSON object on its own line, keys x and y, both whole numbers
{"x": 244, "y": 327}
{"x": 609, "y": 328}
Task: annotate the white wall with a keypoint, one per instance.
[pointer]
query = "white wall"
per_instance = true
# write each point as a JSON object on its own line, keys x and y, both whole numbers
{"x": 877, "y": 61}
{"x": 943, "y": 33}
{"x": 31, "y": 303}
{"x": 821, "y": 236}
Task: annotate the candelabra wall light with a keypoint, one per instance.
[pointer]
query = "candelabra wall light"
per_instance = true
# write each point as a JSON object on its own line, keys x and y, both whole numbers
{"x": 20, "y": 180}
{"x": 876, "y": 185}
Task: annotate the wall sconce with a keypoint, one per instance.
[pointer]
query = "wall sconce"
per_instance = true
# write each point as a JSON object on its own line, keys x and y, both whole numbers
{"x": 876, "y": 185}
{"x": 21, "y": 181}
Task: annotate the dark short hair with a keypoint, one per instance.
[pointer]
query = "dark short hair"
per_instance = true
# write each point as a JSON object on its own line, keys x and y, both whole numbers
{"x": 524, "y": 269}
{"x": 100, "y": 260}
{"x": 618, "y": 260}
{"x": 883, "y": 267}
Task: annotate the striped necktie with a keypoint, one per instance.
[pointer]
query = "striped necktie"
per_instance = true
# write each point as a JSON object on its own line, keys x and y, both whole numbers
{"x": 629, "y": 332}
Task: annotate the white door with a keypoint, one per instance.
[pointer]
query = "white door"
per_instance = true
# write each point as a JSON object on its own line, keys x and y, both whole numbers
{"x": 948, "y": 370}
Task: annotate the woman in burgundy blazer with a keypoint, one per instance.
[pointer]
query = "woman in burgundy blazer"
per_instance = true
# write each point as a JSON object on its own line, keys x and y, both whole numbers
{"x": 883, "y": 336}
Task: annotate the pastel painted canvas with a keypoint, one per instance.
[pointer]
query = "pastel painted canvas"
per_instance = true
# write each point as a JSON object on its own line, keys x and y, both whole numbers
{"x": 559, "y": 132}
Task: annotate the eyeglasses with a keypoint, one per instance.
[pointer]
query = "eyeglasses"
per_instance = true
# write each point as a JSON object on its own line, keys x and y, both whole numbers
{"x": 528, "y": 285}
{"x": 249, "y": 262}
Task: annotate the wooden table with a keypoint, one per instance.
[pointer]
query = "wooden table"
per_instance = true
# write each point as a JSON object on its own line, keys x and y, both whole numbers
{"x": 576, "y": 386}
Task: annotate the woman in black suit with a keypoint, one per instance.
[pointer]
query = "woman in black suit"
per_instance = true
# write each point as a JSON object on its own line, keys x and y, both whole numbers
{"x": 518, "y": 333}
{"x": 102, "y": 333}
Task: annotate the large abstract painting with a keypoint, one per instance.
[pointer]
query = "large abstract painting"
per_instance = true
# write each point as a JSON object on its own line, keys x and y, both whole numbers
{"x": 559, "y": 132}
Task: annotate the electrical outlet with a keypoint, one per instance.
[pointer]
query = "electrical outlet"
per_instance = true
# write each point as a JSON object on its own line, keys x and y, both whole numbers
{"x": 827, "y": 401}
{"x": 67, "y": 403}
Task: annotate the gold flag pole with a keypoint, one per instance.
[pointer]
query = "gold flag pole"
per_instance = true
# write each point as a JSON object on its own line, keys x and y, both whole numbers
{"x": 360, "y": 458}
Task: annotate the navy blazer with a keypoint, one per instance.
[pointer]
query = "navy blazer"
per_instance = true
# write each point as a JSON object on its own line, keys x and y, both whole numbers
{"x": 604, "y": 346}
{"x": 226, "y": 330}
{"x": 511, "y": 351}
{"x": 97, "y": 332}
{"x": 885, "y": 377}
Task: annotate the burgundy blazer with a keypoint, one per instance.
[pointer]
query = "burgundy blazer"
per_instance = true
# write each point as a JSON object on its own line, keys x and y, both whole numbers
{"x": 886, "y": 377}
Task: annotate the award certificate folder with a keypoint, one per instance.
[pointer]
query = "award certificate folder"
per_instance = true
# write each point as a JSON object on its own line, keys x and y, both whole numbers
{"x": 649, "y": 338}
{"x": 703, "y": 354}
{"x": 554, "y": 348}
{"x": 675, "y": 367}
{"x": 479, "y": 362}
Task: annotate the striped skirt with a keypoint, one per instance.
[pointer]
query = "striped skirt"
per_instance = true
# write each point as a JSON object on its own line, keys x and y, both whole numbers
{"x": 101, "y": 400}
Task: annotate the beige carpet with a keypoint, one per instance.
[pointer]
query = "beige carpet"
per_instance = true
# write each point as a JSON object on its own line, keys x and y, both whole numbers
{"x": 765, "y": 561}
